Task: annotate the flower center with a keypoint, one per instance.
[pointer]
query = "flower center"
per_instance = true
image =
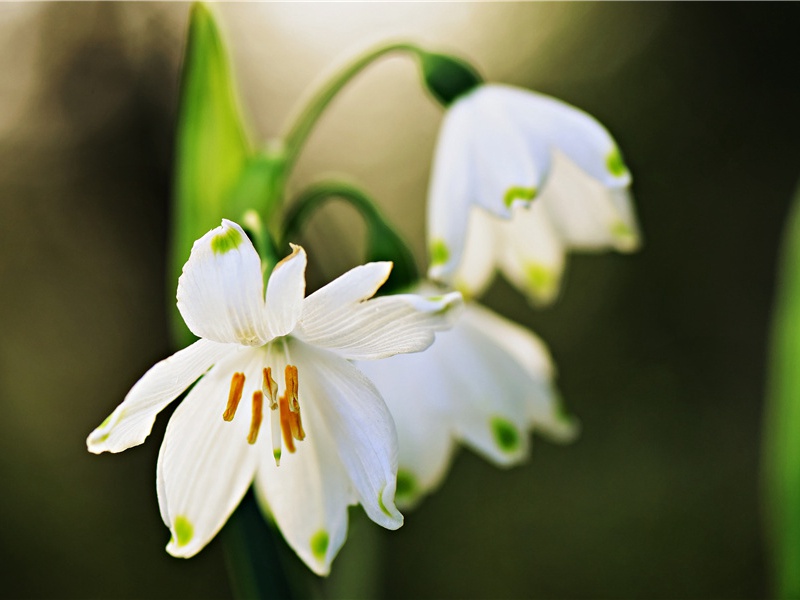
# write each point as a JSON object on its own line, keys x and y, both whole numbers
{"x": 284, "y": 411}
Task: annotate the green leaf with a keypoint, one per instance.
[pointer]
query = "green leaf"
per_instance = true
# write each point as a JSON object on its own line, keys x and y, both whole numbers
{"x": 782, "y": 420}
{"x": 383, "y": 242}
{"x": 211, "y": 147}
{"x": 447, "y": 77}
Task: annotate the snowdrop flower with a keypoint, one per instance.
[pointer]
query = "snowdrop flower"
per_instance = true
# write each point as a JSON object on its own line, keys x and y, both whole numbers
{"x": 499, "y": 149}
{"x": 328, "y": 428}
{"x": 486, "y": 382}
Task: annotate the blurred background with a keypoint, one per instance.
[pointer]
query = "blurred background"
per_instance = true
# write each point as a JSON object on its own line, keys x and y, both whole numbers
{"x": 660, "y": 354}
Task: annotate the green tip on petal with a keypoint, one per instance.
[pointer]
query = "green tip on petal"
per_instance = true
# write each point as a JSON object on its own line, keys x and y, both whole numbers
{"x": 406, "y": 485}
{"x": 519, "y": 193}
{"x": 106, "y": 421}
{"x": 541, "y": 281}
{"x": 439, "y": 253}
{"x": 226, "y": 241}
{"x": 615, "y": 164}
{"x": 625, "y": 236}
{"x": 383, "y": 506}
{"x": 319, "y": 544}
{"x": 505, "y": 434}
{"x": 184, "y": 531}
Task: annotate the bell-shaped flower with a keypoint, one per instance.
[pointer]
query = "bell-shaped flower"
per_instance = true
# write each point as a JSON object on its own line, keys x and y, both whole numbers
{"x": 287, "y": 356}
{"x": 518, "y": 179}
{"x": 485, "y": 383}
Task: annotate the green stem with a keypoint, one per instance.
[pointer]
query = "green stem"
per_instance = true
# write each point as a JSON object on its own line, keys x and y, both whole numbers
{"x": 307, "y": 118}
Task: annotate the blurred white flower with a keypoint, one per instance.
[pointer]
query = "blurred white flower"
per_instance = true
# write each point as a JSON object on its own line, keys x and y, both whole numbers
{"x": 211, "y": 452}
{"x": 499, "y": 149}
{"x": 486, "y": 382}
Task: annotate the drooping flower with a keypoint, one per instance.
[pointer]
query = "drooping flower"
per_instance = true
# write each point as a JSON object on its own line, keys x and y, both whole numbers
{"x": 487, "y": 382}
{"x": 341, "y": 451}
{"x": 518, "y": 179}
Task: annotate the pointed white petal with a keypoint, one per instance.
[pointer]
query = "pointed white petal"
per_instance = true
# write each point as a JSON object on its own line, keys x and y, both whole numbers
{"x": 205, "y": 464}
{"x": 285, "y": 292}
{"x": 576, "y": 133}
{"x": 308, "y": 494}
{"x": 420, "y": 400}
{"x": 532, "y": 253}
{"x": 380, "y": 327}
{"x": 358, "y": 284}
{"x": 131, "y": 421}
{"x": 544, "y": 411}
{"x": 359, "y": 424}
{"x": 587, "y": 215}
{"x": 474, "y": 273}
{"x": 450, "y": 193}
{"x": 221, "y": 290}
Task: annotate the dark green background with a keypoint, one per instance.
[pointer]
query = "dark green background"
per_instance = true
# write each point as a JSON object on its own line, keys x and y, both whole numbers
{"x": 660, "y": 354}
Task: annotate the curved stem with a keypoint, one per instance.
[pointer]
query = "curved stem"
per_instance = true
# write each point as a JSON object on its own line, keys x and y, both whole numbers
{"x": 307, "y": 118}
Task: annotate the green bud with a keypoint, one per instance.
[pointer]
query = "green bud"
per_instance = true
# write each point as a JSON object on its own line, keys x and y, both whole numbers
{"x": 447, "y": 77}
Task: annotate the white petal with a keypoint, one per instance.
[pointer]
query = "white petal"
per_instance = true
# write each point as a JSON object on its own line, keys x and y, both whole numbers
{"x": 309, "y": 493}
{"x": 509, "y": 167}
{"x": 205, "y": 464}
{"x": 474, "y": 273}
{"x": 451, "y": 191}
{"x": 358, "y": 423}
{"x": 575, "y": 133}
{"x": 380, "y": 327}
{"x": 544, "y": 412}
{"x": 285, "y": 291}
{"x": 419, "y": 397}
{"x": 359, "y": 283}
{"x": 532, "y": 253}
{"x": 131, "y": 421}
{"x": 487, "y": 391}
{"x": 221, "y": 290}
{"x": 587, "y": 215}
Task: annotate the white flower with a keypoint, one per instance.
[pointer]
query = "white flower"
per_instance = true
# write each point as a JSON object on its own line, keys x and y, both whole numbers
{"x": 499, "y": 149}
{"x": 343, "y": 449}
{"x": 486, "y": 382}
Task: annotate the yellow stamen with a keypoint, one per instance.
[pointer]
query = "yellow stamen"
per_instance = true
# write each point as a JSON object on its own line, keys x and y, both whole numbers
{"x": 286, "y": 423}
{"x": 270, "y": 388}
{"x": 234, "y": 396}
{"x": 290, "y": 373}
{"x": 255, "y": 423}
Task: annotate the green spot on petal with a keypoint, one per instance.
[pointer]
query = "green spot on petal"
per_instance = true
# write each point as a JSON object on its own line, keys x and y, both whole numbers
{"x": 519, "y": 193}
{"x": 505, "y": 434}
{"x": 319, "y": 544}
{"x": 383, "y": 506}
{"x": 615, "y": 164}
{"x": 106, "y": 421}
{"x": 226, "y": 241}
{"x": 439, "y": 252}
{"x": 541, "y": 280}
{"x": 184, "y": 531}
{"x": 625, "y": 237}
{"x": 406, "y": 484}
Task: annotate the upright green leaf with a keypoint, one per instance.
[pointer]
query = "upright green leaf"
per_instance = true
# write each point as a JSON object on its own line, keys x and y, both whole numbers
{"x": 211, "y": 147}
{"x": 782, "y": 420}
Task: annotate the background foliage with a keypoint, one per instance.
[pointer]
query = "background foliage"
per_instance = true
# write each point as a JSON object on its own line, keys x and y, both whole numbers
{"x": 661, "y": 354}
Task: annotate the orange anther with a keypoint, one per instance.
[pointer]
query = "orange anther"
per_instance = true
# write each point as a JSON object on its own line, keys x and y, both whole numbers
{"x": 234, "y": 396}
{"x": 269, "y": 387}
{"x": 255, "y": 423}
{"x": 286, "y": 423}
